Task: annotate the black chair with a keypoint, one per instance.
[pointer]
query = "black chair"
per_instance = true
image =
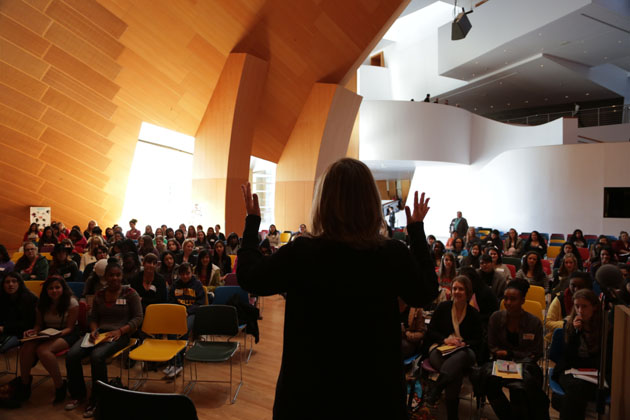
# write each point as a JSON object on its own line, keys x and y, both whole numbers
{"x": 215, "y": 320}
{"x": 123, "y": 404}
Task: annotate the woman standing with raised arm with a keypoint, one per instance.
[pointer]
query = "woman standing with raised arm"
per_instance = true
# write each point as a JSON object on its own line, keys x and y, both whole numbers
{"x": 352, "y": 298}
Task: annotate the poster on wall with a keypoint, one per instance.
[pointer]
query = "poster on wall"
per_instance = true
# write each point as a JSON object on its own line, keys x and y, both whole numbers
{"x": 41, "y": 216}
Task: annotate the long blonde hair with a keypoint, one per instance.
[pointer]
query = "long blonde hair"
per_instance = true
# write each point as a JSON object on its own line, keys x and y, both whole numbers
{"x": 347, "y": 205}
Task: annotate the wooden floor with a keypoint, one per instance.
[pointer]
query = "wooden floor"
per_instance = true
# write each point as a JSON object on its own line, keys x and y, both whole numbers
{"x": 255, "y": 400}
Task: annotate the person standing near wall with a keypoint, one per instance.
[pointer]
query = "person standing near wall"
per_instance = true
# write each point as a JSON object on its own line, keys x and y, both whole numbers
{"x": 459, "y": 225}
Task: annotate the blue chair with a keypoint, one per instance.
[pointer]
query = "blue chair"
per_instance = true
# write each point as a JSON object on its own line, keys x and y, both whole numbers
{"x": 77, "y": 288}
{"x": 556, "y": 349}
{"x": 222, "y": 295}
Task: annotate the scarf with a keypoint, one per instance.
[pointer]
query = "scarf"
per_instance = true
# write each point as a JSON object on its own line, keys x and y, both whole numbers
{"x": 456, "y": 321}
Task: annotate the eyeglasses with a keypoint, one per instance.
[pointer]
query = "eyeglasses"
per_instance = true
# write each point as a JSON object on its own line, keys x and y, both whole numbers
{"x": 29, "y": 249}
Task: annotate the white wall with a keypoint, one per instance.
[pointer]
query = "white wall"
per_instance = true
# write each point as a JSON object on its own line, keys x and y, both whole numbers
{"x": 509, "y": 18}
{"x": 404, "y": 130}
{"x": 374, "y": 83}
{"x": 550, "y": 189}
{"x": 607, "y": 133}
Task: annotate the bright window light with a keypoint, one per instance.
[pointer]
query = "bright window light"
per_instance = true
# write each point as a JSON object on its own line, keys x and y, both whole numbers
{"x": 160, "y": 181}
{"x": 262, "y": 175}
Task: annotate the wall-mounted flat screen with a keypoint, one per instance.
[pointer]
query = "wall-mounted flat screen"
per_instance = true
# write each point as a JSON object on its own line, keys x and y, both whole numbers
{"x": 617, "y": 202}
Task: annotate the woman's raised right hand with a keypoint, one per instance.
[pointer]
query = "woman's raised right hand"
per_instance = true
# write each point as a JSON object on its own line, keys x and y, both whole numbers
{"x": 251, "y": 201}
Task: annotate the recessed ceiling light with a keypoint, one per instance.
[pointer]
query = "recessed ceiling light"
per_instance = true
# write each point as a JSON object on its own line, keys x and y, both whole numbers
{"x": 546, "y": 99}
{"x": 539, "y": 33}
{"x": 619, "y": 42}
{"x": 474, "y": 109}
{"x": 506, "y": 62}
{"x": 476, "y": 62}
{"x": 526, "y": 102}
{"x": 506, "y": 50}
{"x": 587, "y": 94}
{"x": 566, "y": 96}
{"x": 508, "y": 104}
{"x": 500, "y": 83}
{"x": 542, "y": 65}
{"x": 491, "y": 106}
{"x": 585, "y": 51}
{"x": 605, "y": 58}
{"x": 473, "y": 74}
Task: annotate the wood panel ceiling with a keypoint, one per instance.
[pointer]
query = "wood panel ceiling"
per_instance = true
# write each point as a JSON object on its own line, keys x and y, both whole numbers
{"x": 77, "y": 78}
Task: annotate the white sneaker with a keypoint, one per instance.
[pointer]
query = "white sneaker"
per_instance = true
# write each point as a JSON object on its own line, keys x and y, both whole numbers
{"x": 168, "y": 370}
{"x": 176, "y": 371}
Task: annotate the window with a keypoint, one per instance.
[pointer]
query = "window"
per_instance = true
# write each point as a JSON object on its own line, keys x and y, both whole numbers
{"x": 160, "y": 181}
{"x": 262, "y": 176}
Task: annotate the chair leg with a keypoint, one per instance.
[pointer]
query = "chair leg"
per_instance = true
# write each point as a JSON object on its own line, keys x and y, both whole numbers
{"x": 238, "y": 388}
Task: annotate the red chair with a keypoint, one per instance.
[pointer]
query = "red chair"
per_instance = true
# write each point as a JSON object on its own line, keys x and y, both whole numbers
{"x": 584, "y": 254}
{"x": 546, "y": 267}
{"x": 512, "y": 270}
{"x": 587, "y": 237}
{"x": 230, "y": 280}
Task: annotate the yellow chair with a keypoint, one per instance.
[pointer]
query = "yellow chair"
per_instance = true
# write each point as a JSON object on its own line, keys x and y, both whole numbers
{"x": 16, "y": 256}
{"x": 537, "y": 294}
{"x": 285, "y": 237}
{"x": 160, "y": 319}
{"x": 35, "y": 286}
{"x": 47, "y": 255}
{"x": 553, "y": 251}
{"x": 556, "y": 242}
{"x": 205, "y": 289}
{"x": 530, "y": 306}
{"x": 233, "y": 258}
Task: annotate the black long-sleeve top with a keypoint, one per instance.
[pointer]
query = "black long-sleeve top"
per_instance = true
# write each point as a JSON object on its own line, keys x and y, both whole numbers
{"x": 530, "y": 337}
{"x": 18, "y": 315}
{"x": 342, "y": 325}
{"x": 155, "y": 294}
{"x": 441, "y": 326}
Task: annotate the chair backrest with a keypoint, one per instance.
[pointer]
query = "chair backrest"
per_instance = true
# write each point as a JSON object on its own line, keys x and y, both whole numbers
{"x": 533, "y": 308}
{"x": 556, "y": 348}
{"x": 77, "y": 288}
{"x": 512, "y": 269}
{"x": 118, "y": 403}
{"x": 215, "y": 320}
{"x": 16, "y": 256}
{"x": 223, "y": 293}
{"x": 553, "y": 251}
{"x": 546, "y": 265}
{"x": 233, "y": 258}
{"x": 537, "y": 294}
{"x": 165, "y": 318}
{"x": 35, "y": 286}
{"x": 584, "y": 255}
{"x": 231, "y": 280}
{"x": 516, "y": 262}
{"x": 557, "y": 236}
{"x": 284, "y": 237}
{"x": 590, "y": 237}
{"x": 205, "y": 289}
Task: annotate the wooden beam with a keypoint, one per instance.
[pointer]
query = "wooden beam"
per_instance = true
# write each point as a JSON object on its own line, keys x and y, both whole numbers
{"x": 223, "y": 142}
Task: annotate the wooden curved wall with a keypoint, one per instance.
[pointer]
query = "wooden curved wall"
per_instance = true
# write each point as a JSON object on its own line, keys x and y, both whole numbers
{"x": 77, "y": 78}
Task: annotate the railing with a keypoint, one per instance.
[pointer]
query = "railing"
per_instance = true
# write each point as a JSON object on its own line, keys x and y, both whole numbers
{"x": 615, "y": 114}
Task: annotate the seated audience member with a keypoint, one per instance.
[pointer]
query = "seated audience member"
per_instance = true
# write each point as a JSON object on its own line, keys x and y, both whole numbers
{"x": 537, "y": 243}
{"x": 221, "y": 259}
{"x": 182, "y": 227}
{"x": 32, "y": 234}
{"x": 59, "y": 233}
{"x": 96, "y": 281}
{"x": 160, "y": 244}
{"x": 207, "y": 273}
{"x": 62, "y": 266}
{"x": 87, "y": 232}
{"x": 532, "y": 270}
{"x": 458, "y": 324}
{"x": 173, "y": 246}
{"x": 191, "y": 233}
{"x": 101, "y": 254}
{"x": 437, "y": 253}
{"x": 109, "y": 235}
{"x": 220, "y": 235}
{"x": 621, "y": 247}
{"x": 496, "y": 281}
{"x": 494, "y": 240}
{"x": 447, "y": 272}
{"x": 450, "y": 240}
{"x": 211, "y": 237}
{"x": 78, "y": 240}
{"x": 159, "y": 232}
{"x": 458, "y": 249}
{"x": 31, "y": 265}
{"x": 561, "y": 276}
{"x": 562, "y": 303}
{"x": 90, "y": 255}
{"x": 133, "y": 233}
{"x": 472, "y": 259}
{"x": 17, "y": 310}
{"x": 187, "y": 254}
{"x": 413, "y": 329}
{"x": 513, "y": 245}
{"x": 72, "y": 254}
{"x": 516, "y": 335}
{"x": 233, "y": 244}
{"x": 47, "y": 241}
{"x": 168, "y": 267}
{"x": 265, "y": 248}
{"x": 606, "y": 256}
{"x": 59, "y": 309}
{"x": 6, "y": 265}
{"x": 577, "y": 239}
{"x": 117, "y": 313}
{"x": 149, "y": 284}
{"x": 118, "y": 236}
{"x": 602, "y": 242}
{"x": 273, "y": 236}
{"x": 568, "y": 248}
{"x": 302, "y": 231}
{"x": 471, "y": 238}
{"x": 201, "y": 242}
{"x": 148, "y": 230}
{"x": 582, "y": 348}
{"x": 130, "y": 266}
{"x": 497, "y": 263}
{"x": 146, "y": 246}
{"x": 169, "y": 233}
{"x": 431, "y": 240}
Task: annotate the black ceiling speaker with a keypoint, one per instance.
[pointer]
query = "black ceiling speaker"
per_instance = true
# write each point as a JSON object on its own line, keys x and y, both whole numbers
{"x": 461, "y": 26}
